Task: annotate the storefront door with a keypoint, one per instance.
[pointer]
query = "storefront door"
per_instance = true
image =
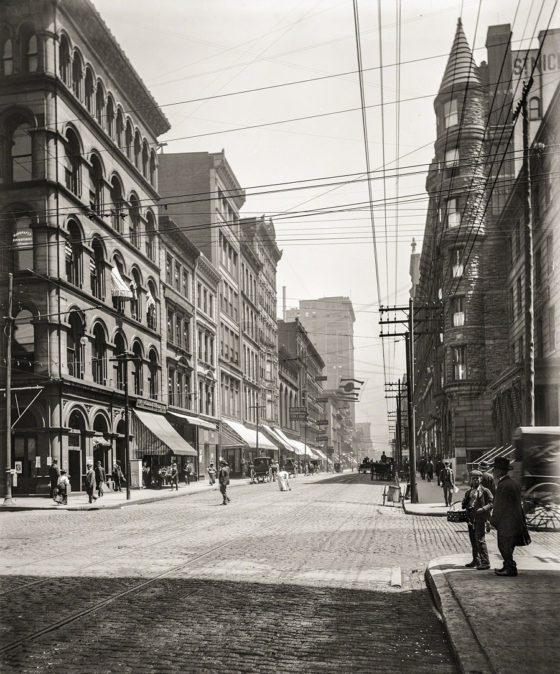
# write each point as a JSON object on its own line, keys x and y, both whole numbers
{"x": 75, "y": 469}
{"x": 24, "y": 461}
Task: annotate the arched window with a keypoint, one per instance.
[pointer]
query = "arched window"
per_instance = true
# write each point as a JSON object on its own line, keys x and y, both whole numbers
{"x": 119, "y": 128}
{"x": 150, "y": 236}
{"x": 117, "y": 200}
{"x": 134, "y": 221}
{"x": 64, "y": 59}
{"x": 21, "y": 148}
{"x": 77, "y": 71}
{"x": 153, "y": 168}
{"x": 151, "y": 307}
{"x": 110, "y": 116}
{"x": 97, "y": 270}
{"x": 120, "y": 350}
{"x": 23, "y": 342}
{"x": 32, "y": 55}
{"x": 96, "y": 185}
{"x": 128, "y": 139}
{"x": 136, "y": 301}
{"x": 22, "y": 244}
{"x": 535, "y": 112}
{"x": 7, "y": 53}
{"x": 138, "y": 369}
{"x": 99, "y": 102}
{"x": 72, "y": 162}
{"x": 153, "y": 374}
{"x": 89, "y": 91}
{"x": 145, "y": 158}
{"x": 120, "y": 291}
{"x": 73, "y": 254}
{"x": 137, "y": 148}
{"x": 99, "y": 356}
{"x": 75, "y": 346}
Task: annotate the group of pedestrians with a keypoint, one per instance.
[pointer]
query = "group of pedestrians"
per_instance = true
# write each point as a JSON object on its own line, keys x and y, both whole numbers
{"x": 495, "y": 502}
{"x": 95, "y": 480}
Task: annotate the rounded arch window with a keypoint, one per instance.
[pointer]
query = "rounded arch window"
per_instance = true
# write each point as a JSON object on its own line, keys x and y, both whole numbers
{"x": 110, "y": 116}
{"x": 153, "y": 374}
{"x": 145, "y": 158}
{"x": 77, "y": 74}
{"x": 77, "y": 421}
{"x": 22, "y": 243}
{"x": 117, "y": 201}
{"x": 7, "y": 52}
{"x": 128, "y": 139}
{"x": 73, "y": 254}
{"x": 89, "y": 90}
{"x": 96, "y": 184}
{"x": 150, "y": 236}
{"x": 99, "y": 356}
{"x": 72, "y": 162}
{"x": 134, "y": 221}
{"x": 64, "y": 59}
{"x": 136, "y": 301}
{"x": 99, "y": 102}
{"x": 535, "y": 112}
{"x": 20, "y": 145}
{"x": 137, "y": 148}
{"x": 75, "y": 346}
{"x": 138, "y": 368}
{"x": 119, "y": 128}
{"x": 151, "y": 306}
{"x": 97, "y": 270}
{"x": 120, "y": 354}
{"x": 23, "y": 342}
{"x": 153, "y": 168}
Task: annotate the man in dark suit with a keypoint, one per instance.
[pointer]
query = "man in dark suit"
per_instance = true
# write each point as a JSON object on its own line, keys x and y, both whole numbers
{"x": 223, "y": 479}
{"x": 100, "y": 478}
{"x": 508, "y": 518}
{"x": 90, "y": 483}
{"x": 54, "y": 474}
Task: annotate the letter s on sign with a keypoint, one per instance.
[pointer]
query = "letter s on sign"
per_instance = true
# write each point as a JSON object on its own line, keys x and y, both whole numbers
{"x": 518, "y": 66}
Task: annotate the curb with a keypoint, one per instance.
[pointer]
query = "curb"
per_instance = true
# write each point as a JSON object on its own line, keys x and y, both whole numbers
{"x": 409, "y": 511}
{"x": 467, "y": 651}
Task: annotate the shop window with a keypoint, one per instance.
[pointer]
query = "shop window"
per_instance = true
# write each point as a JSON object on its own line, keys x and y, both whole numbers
{"x": 23, "y": 342}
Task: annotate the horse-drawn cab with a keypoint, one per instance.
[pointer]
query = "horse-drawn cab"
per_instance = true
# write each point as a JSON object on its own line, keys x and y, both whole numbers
{"x": 262, "y": 468}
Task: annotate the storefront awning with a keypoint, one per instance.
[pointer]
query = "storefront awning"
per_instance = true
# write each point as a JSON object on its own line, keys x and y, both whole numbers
{"x": 304, "y": 450}
{"x": 194, "y": 421}
{"x": 249, "y": 435}
{"x": 230, "y": 439}
{"x": 118, "y": 285}
{"x": 321, "y": 454}
{"x": 100, "y": 441}
{"x": 276, "y": 439}
{"x": 163, "y": 434}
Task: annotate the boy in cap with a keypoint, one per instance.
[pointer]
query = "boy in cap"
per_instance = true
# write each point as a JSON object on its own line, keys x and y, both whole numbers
{"x": 90, "y": 483}
{"x": 508, "y": 518}
{"x": 223, "y": 479}
{"x": 478, "y": 504}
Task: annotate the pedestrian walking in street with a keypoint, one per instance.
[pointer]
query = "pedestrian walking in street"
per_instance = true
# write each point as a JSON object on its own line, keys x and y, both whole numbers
{"x": 508, "y": 517}
{"x": 429, "y": 469}
{"x": 90, "y": 483}
{"x": 62, "y": 487}
{"x": 440, "y": 465}
{"x": 100, "y": 478}
{"x": 118, "y": 476}
{"x": 273, "y": 470}
{"x": 212, "y": 474}
{"x": 422, "y": 467}
{"x": 487, "y": 479}
{"x": 284, "y": 481}
{"x": 146, "y": 475}
{"x": 54, "y": 474}
{"x": 447, "y": 481}
{"x": 478, "y": 504}
{"x": 223, "y": 479}
{"x": 174, "y": 476}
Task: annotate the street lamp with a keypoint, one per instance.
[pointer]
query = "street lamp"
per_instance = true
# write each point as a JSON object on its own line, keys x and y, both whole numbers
{"x": 125, "y": 358}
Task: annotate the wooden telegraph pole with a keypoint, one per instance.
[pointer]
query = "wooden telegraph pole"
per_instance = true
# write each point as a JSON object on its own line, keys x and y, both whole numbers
{"x": 8, "y": 331}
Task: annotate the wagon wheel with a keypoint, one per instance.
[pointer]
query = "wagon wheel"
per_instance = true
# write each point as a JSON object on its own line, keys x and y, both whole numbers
{"x": 541, "y": 505}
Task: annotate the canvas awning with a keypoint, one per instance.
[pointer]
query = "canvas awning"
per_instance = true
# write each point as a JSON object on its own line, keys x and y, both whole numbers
{"x": 276, "y": 439}
{"x": 320, "y": 453}
{"x": 118, "y": 285}
{"x": 249, "y": 435}
{"x": 100, "y": 441}
{"x": 194, "y": 421}
{"x": 164, "y": 438}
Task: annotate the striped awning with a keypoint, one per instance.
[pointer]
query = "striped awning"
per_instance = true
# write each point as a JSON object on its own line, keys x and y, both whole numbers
{"x": 118, "y": 285}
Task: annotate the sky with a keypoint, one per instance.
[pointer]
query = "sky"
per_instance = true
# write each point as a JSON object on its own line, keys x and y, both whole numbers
{"x": 187, "y": 50}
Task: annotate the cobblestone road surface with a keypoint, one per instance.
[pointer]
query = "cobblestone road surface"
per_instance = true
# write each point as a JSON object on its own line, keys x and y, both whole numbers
{"x": 275, "y": 582}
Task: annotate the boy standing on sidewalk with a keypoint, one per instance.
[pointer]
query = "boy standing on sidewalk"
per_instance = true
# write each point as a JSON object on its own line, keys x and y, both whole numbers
{"x": 478, "y": 504}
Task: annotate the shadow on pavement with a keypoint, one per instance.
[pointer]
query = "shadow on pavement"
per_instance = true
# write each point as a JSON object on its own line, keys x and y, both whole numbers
{"x": 193, "y": 625}
{"x": 346, "y": 478}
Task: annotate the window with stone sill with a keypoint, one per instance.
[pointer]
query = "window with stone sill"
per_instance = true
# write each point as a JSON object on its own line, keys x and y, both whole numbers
{"x": 7, "y": 50}
{"x": 450, "y": 113}
{"x": 459, "y": 355}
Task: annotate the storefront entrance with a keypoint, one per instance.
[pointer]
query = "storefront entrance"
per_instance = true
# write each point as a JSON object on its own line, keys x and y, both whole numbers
{"x": 25, "y": 463}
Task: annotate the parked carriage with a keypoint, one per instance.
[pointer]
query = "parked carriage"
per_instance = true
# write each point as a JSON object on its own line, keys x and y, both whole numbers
{"x": 262, "y": 468}
{"x": 537, "y": 467}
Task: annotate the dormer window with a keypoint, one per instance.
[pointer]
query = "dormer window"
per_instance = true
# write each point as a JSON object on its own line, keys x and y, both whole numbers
{"x": 450, "y": 113}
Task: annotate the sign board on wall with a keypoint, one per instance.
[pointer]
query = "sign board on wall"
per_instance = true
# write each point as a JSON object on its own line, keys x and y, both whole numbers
{"x": 18, "y": 465}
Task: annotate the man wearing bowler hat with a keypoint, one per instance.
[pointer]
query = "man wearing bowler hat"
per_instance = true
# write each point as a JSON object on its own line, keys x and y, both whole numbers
{"x": 487, "y": 480}
{"x": 508, "y": 518}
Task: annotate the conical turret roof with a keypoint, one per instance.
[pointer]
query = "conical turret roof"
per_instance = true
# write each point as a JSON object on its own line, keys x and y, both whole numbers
{"x": 461, "y": 68}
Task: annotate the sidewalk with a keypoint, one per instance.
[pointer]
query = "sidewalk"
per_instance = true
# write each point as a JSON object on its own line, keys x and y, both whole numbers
{"x": 430, "y": 499}
{"x": 114, "y": 500}
{"x": 500, "y": 624}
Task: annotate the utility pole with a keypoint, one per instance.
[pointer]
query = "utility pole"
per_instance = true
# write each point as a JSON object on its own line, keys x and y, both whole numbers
{"x": 411, "y": 408}
{"x": 8, "y": 330}
{"x": 398, "y": 434}
{"x": 529, "y": 365}
{"x": 124, "y": 358}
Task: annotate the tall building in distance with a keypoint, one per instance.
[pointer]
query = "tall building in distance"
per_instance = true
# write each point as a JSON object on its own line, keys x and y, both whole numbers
{"x": 329, "y": 322}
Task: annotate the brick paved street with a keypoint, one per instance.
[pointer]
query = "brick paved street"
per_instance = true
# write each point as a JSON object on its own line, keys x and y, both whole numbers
{"x": 275, "y": 582}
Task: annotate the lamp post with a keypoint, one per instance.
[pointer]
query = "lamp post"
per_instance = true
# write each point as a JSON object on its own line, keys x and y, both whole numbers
{"x": 125, "y": 358}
